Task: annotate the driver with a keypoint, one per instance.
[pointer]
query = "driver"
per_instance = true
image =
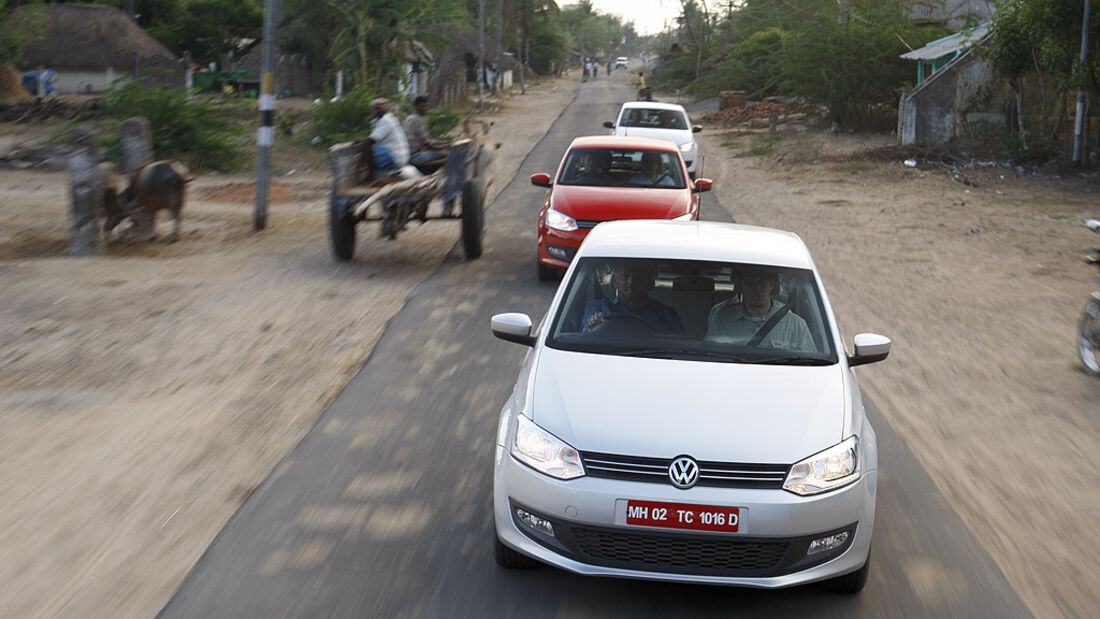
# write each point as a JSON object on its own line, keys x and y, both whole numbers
{"x": 754, "y": 313}
{"x": 631, "y": 281}
{"x": 651, "y": 172}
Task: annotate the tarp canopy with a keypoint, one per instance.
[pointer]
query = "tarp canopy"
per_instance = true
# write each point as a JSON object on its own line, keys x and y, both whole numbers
{"x": 950, "y": 44}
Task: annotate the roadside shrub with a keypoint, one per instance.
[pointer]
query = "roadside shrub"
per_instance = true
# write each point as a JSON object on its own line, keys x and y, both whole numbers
{"x": 441, "y": 121}
{"x": 344, "y": 119}
{"x": 203, "y": 132}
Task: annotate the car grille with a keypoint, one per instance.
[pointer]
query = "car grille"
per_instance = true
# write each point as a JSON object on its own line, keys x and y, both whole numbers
{"x": 655, "y": 470}
{"x": 687, "y": 554}
{"x": 588, "y": 224}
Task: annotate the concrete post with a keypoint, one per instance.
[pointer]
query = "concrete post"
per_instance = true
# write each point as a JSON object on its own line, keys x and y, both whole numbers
{"x": 137, "y": 150}
{"x": 87, "y": 195}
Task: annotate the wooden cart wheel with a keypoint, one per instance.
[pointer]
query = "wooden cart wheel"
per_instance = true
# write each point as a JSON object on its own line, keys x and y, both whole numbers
{"x": 342, "y": 227}
{"x": 473, "y": 217}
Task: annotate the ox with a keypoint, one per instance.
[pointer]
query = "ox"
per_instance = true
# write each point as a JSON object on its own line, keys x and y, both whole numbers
{"x": 153, "y": 186}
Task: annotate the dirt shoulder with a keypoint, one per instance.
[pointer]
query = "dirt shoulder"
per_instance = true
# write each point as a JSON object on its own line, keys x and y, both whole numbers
{"x": 146, "y": 392}
{"x": 977, "y": 278}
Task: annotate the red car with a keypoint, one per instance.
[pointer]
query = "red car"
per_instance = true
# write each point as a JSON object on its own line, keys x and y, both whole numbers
{"x": 605, "y": 178}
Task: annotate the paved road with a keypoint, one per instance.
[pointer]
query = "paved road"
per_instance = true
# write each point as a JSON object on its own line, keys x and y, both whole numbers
{"x": 384, "y": 508}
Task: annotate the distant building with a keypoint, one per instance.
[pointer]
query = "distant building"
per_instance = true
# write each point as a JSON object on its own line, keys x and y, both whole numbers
{"x": 953, "y": 13}
{"x": 952, "y": 93}
{"x": 90, "y": 45}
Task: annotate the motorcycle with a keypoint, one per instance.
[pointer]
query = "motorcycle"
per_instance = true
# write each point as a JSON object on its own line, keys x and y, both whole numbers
{"x": 1088, "y": 331}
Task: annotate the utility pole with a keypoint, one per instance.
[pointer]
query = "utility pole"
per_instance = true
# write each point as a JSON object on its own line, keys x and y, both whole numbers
{"x": 265, "y": 137}
{"x": 1079, "y": 122}
{"x": 498, "y": 77}
{"x": 480, "y": 56}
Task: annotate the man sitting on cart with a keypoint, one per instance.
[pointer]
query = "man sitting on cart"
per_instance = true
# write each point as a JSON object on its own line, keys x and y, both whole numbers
{"x": 388, "y": 147}
{"x": 423, "y": 148}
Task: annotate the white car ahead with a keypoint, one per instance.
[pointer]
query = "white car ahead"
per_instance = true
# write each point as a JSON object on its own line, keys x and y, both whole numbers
{"x": 687, "y": 413}
{"x": 664, "y": 121}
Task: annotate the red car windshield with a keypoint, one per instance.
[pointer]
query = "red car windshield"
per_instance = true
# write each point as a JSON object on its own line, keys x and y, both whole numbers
{"x": 619, "y": 167}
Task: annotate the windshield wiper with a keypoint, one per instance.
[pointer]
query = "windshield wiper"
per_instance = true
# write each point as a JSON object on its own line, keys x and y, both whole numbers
{"x": 649, "y": 352}
{"x": 793, "y": 360}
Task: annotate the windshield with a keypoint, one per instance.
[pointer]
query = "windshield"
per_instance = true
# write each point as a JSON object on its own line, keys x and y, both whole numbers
{"x": 653, "y": 118}
{"x": 622, "y": 167}
{"x": 696, "y": 310}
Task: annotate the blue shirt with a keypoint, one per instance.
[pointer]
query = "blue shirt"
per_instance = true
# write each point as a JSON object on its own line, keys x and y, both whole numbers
{"x": 662, "y": 317}
{"x": 661, "y": 181}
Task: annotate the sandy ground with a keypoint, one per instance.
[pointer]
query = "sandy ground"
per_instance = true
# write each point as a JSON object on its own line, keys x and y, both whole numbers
{"x": 980, "y": 287}
{"x": 146, "y": 392}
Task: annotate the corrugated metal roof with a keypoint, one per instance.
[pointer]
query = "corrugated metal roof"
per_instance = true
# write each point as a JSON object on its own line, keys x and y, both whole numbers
{"x": 949, "y": 44}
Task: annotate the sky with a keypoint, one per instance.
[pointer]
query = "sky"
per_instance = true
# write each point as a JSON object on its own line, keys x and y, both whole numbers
{"x": 649, "y": 15}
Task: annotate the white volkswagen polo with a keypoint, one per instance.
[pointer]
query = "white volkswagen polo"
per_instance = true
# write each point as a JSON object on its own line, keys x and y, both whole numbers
{"x": 687, "y": 412}
{"x": 662, "y": 121}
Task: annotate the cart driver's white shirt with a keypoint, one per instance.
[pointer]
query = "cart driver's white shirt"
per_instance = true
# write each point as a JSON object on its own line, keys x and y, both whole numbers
{"x": 388, "y": 132}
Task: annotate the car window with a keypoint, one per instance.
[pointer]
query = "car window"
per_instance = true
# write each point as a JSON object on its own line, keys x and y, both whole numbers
{"x": 695, "y": 310}
{"x": 622, "y": 167}
{"x": 653, "y": 118}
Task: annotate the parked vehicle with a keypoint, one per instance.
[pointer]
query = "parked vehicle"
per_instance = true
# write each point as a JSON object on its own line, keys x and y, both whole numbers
{"x": 602, "y": 179}
{"x": 663, "y": 121}
{"x": 660, "y": 430}
{"x": 1088, "y": 330}
{"x": 620, "y": 62}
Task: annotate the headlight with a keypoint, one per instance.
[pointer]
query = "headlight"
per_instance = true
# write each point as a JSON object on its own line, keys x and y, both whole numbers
{"x": 684, "y": 217}
{"x": 560, "y": 221}
{"x": 687, "y": 147}
{"x": 828, "y": 470}
{"x": 543, "y": 452}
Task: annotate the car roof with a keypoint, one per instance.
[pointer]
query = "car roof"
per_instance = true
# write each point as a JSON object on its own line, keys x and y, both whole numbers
{"x": 621, "y": 141}
{"x": 654, "y": 105}
{"x": 697, "y": 240}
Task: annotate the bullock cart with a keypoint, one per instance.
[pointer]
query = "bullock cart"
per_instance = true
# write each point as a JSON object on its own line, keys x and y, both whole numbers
{"x": 394, "y": 201}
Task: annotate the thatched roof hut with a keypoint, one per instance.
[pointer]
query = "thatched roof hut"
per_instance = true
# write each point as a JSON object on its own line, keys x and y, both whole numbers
{"x": 91, "y": 38}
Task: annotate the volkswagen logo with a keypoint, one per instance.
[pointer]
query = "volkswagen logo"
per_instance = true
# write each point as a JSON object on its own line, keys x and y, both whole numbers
{"x": 683, "y": 472}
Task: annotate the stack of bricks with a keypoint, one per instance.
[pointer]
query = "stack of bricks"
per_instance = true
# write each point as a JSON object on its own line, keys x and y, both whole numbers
{"x": 728, "y": 99}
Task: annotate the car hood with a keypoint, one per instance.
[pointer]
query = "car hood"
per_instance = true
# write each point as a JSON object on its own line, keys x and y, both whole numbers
{"x": 663, "y": 408}
{"x": 677, "y": 136}
{"x": 608, "y": 203}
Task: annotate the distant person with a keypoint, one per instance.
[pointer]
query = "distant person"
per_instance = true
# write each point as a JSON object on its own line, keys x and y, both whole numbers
{"x": 422, "y": 148}
{"x": 632, "y": 281}
{"x": 388, "y": 148}
{"x": 759, "y": 317}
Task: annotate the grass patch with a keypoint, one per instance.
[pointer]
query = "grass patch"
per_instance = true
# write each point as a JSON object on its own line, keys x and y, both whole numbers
{"x": 854, "y": 167}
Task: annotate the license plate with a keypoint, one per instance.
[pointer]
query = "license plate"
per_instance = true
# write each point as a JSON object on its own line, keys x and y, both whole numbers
{"x": 683, "y": 516}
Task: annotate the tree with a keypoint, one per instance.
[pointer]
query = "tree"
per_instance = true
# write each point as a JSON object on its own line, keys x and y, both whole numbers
{"x": 1039, "y": 40}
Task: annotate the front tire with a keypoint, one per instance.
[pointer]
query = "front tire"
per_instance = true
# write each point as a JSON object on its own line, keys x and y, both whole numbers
{"x": 473, "y": 218}
{"x": 851, "y": 583}
{"x": 546, "y": 273}
{"x": 510, "y": 559}
{"x": 1088, "y": 338}
{"x": 342, "y": 227}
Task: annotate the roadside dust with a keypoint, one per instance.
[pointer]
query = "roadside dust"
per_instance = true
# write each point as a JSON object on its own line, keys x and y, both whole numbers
{"x": 146, "y": 392}
{"x": 975, "y": 273}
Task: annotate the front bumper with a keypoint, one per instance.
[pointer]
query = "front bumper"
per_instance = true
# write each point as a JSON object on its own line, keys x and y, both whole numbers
{"x": 557, "y": 248}
{"x": 592, "y": 538}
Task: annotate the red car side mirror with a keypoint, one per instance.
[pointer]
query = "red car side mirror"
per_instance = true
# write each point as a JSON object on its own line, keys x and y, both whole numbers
{"x": 703, "y": 184}
{"x": 540, "y": 179}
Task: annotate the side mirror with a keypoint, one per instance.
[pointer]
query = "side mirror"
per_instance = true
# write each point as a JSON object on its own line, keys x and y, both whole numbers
{"x": 513, "y": 327}
{"x": 609, "y": 124}
{"x": 696, "y": 128}
{"x": 541, "y": 179}
{"x": 703, "y": 184}
{"x": 869, "y": 348}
